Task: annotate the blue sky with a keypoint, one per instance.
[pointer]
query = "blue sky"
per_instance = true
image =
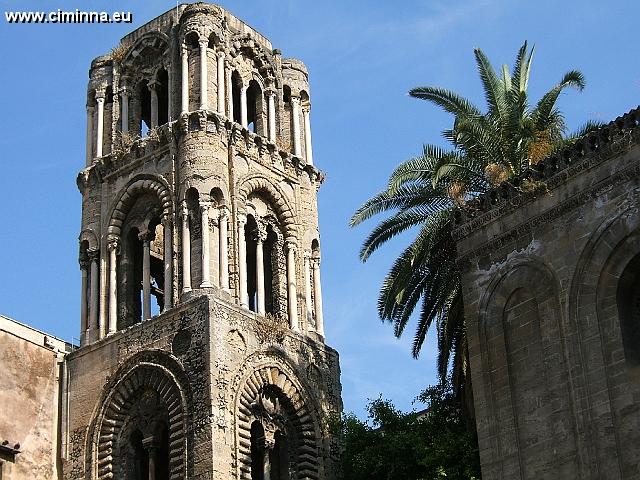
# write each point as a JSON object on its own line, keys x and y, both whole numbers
{"x": 363, "y": 56}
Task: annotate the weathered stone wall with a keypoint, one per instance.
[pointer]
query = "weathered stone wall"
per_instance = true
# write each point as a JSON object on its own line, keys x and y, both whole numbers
{"x": 30, "y": 407}
{"x": 554, "y": 390}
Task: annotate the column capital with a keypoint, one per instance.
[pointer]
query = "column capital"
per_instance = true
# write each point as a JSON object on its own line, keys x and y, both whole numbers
{"x": 220, "y": 54}
{"x": 100, "y": 97}
{"x": 307, "y": 254}
{"x": 93, "y": 254}
{"x": 291, "y": 244}
{"x": 204, "y": 205}
{"x": 203, "y": 42}
{"x": 125, "y": 90}
{"x": 242, "y": 218}
{"x": 260, "y": 232}
{"x": 153, "y": 85}
{"x": 83, "y": 261}
{"x": 224, "y": 211}
{"x": 306, "y": 108}
{"x": 185, "y": 208}
{"x": 166, "y": 219}
{"x": 146, "y": 236}
{"x": 295, "y": 100}
{"x": 270, "y": 92}
{"x": 184, "y": 50}
{"x": 113, "y": 242}
{"x": 150, "y": 443}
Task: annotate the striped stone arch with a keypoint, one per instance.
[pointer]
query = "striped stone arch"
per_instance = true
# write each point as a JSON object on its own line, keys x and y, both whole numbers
{"x": 279, "y": 202}
{"x": 141, "y": 184}
{"x": 117, "y": 406}
{"x": 156, "y": 40}
{"x": 298, "y": 409}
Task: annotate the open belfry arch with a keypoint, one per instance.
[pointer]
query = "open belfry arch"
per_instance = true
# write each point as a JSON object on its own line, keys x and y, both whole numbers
{"x": 202, "y": 336}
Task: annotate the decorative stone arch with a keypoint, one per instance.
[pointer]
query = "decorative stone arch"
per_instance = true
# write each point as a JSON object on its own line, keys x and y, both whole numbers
{"x": 524, "y": 278}
{"x": 89, "y": 236}
{"x": 593, "y": 313}
{"x": 261, "y": 60}
{"x": 204, "y": 186}
{"x": 155, "y": 40}
{"x": 141, "y": 184}
{"x": 271, "y": 371}
{"x": 284, "y": 211}
{"x": 150, "y": 370}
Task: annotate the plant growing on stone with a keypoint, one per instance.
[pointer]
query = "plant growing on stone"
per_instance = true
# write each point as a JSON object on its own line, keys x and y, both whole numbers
{"x": 488, "y": 147}
{"x": 271, "y": 328}
{"x": 124, "y": 142}
{"x": 119, "y": 52}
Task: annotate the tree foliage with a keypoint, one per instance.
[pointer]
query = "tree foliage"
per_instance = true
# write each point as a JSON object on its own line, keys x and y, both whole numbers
{"x": 409, "y": 446}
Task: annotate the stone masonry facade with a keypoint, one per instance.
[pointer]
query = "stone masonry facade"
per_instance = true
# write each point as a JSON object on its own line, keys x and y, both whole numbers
{"x": 551, "y": 285}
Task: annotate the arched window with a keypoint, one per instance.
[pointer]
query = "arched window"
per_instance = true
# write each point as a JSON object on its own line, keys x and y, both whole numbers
{"x": 269, "y": 443}
{"x": 628, "y": 300}
{"x": 236, "y": 92}
{"x": 162, "y": 89}
{"x": 257, "y": 451}
{"x": 262, "y": 238}
{"x": 287, "y": 119}
{"x": 143, "y": 108}
{"x": 143, "y": 235}
{"x": 142, "y": 445}
{"x": 255, "y": 108}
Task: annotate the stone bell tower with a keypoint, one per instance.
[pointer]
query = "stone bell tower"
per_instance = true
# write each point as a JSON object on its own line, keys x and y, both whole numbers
{"x": 202, "y": 344}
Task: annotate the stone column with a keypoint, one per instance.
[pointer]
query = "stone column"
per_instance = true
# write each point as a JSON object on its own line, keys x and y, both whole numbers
{"x": 295, "y": 113}
{"x": 223, "y": 263}
{"x": 243, "y": 105}
{"x": 242, "y": 261}
{"x": 94, "y": 256}
{"x": 308, "y": 300}
{"x": 307, "y": 135}
{"x": 151, "y": 446}
{"x": 271, "y": 112}
{"x": 204, "y": 77}
{"x": 291, "y": 286}
{"x": 186, "y": 250}
{"x": 124, "y": 112}
{"x": 90, "y": 111}
{"x": 100, "y": 128}
{"x": 84, "y": 266}
{"x": 221, "y": 81}
{"x": 145, "y": 238}
{"x": 168, "y": 263}
{"x": 154, "y": 103}
{"x": 261, "y": 235}
{"x": 317, "y": 293}
{"x": 214, "y": 254}
{"x": 113, "y": 287}
{"x": 204, "y": 215}
{"x": 169, "y": 68}
{"x": 229, "y": 90}
{"x": 184, "y": 57}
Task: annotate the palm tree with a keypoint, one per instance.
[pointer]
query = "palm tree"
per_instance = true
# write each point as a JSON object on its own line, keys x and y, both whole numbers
{"x": 424, "y": 192}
